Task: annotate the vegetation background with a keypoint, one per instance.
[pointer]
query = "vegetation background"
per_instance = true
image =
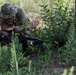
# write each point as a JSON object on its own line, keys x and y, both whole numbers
{"x": 57, "y": 25}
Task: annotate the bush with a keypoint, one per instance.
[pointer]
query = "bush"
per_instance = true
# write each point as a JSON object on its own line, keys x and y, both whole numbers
{"x": 68, "y": 52}
{"x": 58, "y": 21}
{"x": 60, "y": 30}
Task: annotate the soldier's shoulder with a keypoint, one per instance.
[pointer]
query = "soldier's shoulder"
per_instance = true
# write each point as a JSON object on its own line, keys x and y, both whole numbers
{"x": 0, "y": 16}
{"x": 17, "y": 6}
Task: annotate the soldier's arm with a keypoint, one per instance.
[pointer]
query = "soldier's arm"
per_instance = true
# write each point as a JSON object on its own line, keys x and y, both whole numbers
{"x": 1, "y": 31}
{"x": 18, "y": 30}
{"x": 24, "y": 19}
{"x": 21, "y": 15}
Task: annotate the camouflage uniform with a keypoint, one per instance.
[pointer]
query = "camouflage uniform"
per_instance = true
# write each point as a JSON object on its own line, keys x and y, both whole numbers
{"x": 8, "y": 10}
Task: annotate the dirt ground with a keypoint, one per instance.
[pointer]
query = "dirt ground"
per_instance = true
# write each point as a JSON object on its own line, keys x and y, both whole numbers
{"x": 57, "y": 71}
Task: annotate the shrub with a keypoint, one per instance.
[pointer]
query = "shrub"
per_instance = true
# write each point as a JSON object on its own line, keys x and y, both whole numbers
{"x": 57, "y": 19}
{"x": 60, "y": 31}
{"x": 68, "y": 52}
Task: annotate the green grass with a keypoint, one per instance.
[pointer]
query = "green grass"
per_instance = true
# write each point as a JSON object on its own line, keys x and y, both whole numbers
{"x": 12, "y": 56}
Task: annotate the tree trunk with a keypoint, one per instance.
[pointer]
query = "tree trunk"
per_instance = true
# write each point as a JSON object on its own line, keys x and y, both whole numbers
{"x": 75, "y": 7}
{"x": 75, "y": 13}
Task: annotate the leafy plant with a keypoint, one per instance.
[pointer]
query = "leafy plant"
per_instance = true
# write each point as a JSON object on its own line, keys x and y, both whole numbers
{"x": 69, "y": 50}
{"x": 59, "y": 29}
{"x": 57, "y": 19}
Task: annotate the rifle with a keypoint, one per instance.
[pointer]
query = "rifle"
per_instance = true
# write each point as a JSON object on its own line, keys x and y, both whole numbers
{"x": 24, "y": 41}
{"x": 35, "y": 41}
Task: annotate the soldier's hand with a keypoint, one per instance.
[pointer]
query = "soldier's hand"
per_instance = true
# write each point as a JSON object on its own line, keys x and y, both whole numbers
{"x": 33, "y": 24}
{"x": 18, "y": 30}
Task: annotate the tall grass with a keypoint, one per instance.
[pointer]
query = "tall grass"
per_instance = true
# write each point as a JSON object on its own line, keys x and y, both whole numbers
{"x": 14, "y": 62}
{"x": 71, "y": 72}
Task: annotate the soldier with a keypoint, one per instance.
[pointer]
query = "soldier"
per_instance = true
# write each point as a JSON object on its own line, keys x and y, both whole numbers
{"x": 13, "y": 16}
{"x": 16, "y": 15}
